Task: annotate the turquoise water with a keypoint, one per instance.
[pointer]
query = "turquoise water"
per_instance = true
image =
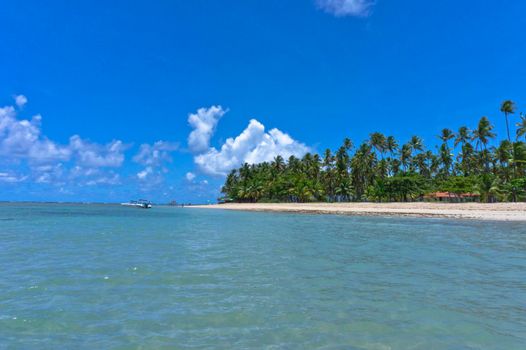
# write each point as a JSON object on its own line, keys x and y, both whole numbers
{"x": 100, "y": 277}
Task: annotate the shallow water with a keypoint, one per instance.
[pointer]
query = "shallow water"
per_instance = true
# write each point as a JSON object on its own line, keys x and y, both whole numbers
{"x": 97, "y": 276}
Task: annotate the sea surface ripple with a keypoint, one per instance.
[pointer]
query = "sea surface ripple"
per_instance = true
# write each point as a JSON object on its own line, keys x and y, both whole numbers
{"x": 110, "y": 277}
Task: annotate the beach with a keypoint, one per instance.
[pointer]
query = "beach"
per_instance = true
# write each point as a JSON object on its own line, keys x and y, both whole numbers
{"x": 474, "y": 211}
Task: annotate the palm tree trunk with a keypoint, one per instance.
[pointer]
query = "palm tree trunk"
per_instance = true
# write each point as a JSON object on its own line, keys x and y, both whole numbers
{"x": 507, "y": 126}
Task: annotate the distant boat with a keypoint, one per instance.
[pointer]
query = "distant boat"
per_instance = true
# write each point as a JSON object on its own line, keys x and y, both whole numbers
{"x": 141, "y": 203}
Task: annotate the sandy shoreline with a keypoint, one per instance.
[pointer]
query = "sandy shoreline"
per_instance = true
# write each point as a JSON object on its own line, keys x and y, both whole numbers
{"x": 474, "y": 211}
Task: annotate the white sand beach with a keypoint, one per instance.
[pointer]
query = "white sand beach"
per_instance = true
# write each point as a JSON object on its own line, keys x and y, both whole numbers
{"x": 476, "y": 211}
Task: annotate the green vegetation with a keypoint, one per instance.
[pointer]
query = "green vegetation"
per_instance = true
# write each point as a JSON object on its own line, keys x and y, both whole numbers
{"x": 466, "y": 164}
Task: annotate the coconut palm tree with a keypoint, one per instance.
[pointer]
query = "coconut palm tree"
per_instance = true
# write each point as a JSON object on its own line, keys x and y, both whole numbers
{"x": 405, "y": 155}
{"x": 446, "y": 135}
{"x": 416, "y": 143}
{"x": 519, "y": 158}
{"x": 342, "y": 161}
{"x": 466, "y": 159}
{"x": 347, "y": 143}
{"x": 446, "y": 159}
{"x": 507, "y": 107}
{"x": 421, "y": 161}
{"x": 483, "y": 132}
{"x": 391, "y": 145}
{"x": 503, "y": 154}
{"x": 463, "y": 136}
{"x": 363, "y": 164}
{"x": 344, "y": 190}
{"x": 379, "y": 142}
{"x": 328, "y": 174}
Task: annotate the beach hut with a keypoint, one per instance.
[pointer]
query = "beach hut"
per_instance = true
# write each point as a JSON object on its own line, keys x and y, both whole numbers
{"x": 452, "y": 197}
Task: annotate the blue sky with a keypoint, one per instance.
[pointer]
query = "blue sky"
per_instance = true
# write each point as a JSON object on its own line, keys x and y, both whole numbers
{"x": 114, "y": 84}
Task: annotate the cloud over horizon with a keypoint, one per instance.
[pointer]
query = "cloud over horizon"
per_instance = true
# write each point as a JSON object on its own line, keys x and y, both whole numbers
{"x": 156, "y": 154}
{"x": 253, "y": 145}
{"x": 22, "y": 145}
{"x": 28, "y": 158}
{"x": 153, "y": 158}
{"x": 342, "y": 8}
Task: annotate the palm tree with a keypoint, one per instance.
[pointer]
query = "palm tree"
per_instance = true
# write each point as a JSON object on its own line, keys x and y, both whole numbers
{"x": 503, "y": 154}
{"x": 445, "y": 155}
{"x": 347, "y": 143}
{"x": 328, "y": 174}
{"x": 342, "y": 161}
{"x": 363, "y": 164}
{"x": 483, "y": 132}
{"x": 521, "y": 126}
{"x": 382, "y": 168}
{"x": 519, "y": 157}
{"x": 405, "y": 155}
{"x": 230, "y": 183}
{"x": 344, "y": 190}
{"x": 507, "y": 107}
{"x": 395, "y": 165}
{"x": 446, "y": 159}
{"x": 244, "y": 172}
{"x": 446, "y": 135}
{"x": 379, "y": 142}
{"x": 278, "y": 164}
{"x": 391, "y": 145}
{"x": 466, "y": 159}
{"x": 421, "y": 161}
{"x": 416, "y": 144}
{"x": 462, "y": 136}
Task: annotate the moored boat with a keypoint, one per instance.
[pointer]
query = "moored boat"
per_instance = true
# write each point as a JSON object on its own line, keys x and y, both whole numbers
{"x": 141, "y": 203}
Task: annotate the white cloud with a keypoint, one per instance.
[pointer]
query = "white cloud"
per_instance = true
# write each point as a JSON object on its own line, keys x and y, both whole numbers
{"x": 203, "y": 122}
{"x": 341, "y": 8}
{"x": 94, "y": 155}
{"x": 48, "y": 173}
{"x": 80, "y": 172}
{"x": 150, "y": 178}
{"x": 156, "y": 154}
{"x": 11, "y": 178}
{"x": 253, "y": 145}
{"x": 190, "y": 176}
{"x": 111, "y": 179}
{"x": 22, "y": 139}
{"x": 153, "y": 157}
{"x": 142, "y": 175}
{"x": 79, "y": 162}
{"x": 82, "y": 176}
{"x": 20, "y": 100}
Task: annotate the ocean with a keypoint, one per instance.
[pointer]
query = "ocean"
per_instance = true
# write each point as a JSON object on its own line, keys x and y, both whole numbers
{"x": 111, "y": 277}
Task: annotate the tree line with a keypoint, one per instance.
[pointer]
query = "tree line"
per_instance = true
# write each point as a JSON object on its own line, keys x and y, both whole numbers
{"x": 468, "y": 161}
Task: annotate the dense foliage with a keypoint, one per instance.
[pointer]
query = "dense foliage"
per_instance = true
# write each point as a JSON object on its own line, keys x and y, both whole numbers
{"x": 379, "y": 169}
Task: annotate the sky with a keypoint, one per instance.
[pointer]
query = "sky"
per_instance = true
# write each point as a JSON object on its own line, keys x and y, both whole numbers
{"x": 110, "y": 101}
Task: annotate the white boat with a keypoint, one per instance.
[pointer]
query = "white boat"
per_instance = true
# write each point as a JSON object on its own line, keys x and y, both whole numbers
{"x": 141, "y": 203}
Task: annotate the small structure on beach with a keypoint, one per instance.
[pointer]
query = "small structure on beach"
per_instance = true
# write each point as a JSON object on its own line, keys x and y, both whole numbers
{"x": 452, "y": 197}
{"x": 223, "y": 200}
